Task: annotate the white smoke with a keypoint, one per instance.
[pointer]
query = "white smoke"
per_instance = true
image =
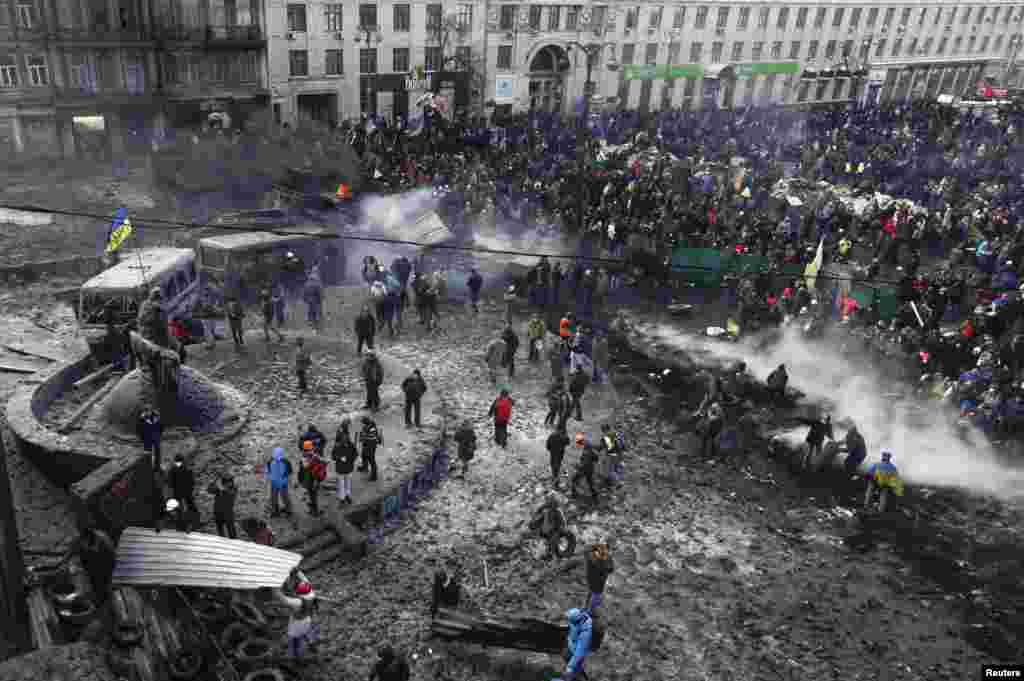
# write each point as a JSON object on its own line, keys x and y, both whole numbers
{"x": 923, "y": 441}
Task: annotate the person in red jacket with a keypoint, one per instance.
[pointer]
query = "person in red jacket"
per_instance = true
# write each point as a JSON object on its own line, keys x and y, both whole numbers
{"x": 501, "y": 410}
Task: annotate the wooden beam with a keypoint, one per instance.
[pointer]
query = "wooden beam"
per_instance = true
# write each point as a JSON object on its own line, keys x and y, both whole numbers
{"x": 34, "y": 352}
{"x": 13, "y": 369}
{"x": 94, "y": 376}
{"x": 84, "y": 409}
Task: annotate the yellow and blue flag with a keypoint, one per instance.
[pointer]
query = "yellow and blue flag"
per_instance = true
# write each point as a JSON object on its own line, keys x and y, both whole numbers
{"x": 120, "y": 229}
{"x": 811, "y": 271}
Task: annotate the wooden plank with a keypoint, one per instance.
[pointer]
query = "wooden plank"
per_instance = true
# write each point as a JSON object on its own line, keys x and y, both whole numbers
{"x": 17, "y": 369}
{"x": 94, "y": 376}
{"x": 35, "y": 350}
{"x": 84, "y": 409}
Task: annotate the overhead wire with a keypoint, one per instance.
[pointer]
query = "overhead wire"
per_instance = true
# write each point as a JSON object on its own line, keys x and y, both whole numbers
{"x": 256, "y": 227}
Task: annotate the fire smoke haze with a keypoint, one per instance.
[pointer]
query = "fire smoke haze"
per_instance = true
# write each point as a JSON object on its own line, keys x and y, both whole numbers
{"x": 924, "y": 444}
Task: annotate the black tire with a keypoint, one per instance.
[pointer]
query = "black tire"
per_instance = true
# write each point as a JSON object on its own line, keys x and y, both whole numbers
{"x": 565, "y": 545}
{"x": 185, "y": 665}
{"x": 120, "y": 661}
{"x": 268, "y": 674}
{"x": 248, "y": 614}
{"x": 233, "y": 635}
{"x": 127, "y": 634}
{"x": 254, "y": 651}
{"x": 77, "y": 613}
{"x": 64, "y": 592}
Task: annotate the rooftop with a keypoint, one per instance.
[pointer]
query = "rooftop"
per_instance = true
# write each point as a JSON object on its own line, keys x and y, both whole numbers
{"x": 139, "y": 267}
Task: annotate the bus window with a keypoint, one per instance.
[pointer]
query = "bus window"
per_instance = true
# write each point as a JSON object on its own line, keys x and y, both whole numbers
{"x": 215, "y": 258}
{"x": 191, "y": 271}
{"x": 170, "y": 288}
{"x": 182, "y": 280}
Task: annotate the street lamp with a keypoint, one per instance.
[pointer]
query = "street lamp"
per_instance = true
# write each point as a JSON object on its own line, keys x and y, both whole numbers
{"x": 592, "y": 52}
{"x": 372, "y": 39}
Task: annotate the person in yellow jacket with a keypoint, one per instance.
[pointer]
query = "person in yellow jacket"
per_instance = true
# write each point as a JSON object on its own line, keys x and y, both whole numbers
{"x": 535, "y": 330}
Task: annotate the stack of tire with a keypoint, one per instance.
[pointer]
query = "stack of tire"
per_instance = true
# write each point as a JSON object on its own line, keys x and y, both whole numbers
{"x": 243, "y": 633}
{"x": 128, "y": 656}
{"x": 71, "y": 594}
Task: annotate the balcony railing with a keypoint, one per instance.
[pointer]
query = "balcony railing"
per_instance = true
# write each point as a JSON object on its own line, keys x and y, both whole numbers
{"x": 249, "y": 33}
{"x": 103, "y": 35}
{"x": 226, "y": 35}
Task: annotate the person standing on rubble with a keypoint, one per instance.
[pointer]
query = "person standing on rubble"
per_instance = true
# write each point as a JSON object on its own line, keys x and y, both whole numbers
{"x": 556, "y": 444}
{"x": 414, "y": 388}
{"x": 600, "y": 566}
{"x": 586, "y": 467}
{"x": 279, "y": 472}
{"x": 344, "y": 454}
{"x": 365, "y": 327}
{"x": 236, "y": 319}
{"x": 224, "y": 494}
{"x": 267, "y": 307}
{"x": 465, "y": 437}
{"x": 373, "y": 377}
{"x": 474, "y": 283}
{"x": 501, "y": 410}
{"x": 183, "y": 484}
{"x": 368, "y": 439}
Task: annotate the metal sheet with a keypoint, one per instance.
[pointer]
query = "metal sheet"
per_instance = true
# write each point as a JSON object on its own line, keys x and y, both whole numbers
{"x": 429, "y": 230}
{"x": 149, "y": 558}
{"x": 139, "y": 267}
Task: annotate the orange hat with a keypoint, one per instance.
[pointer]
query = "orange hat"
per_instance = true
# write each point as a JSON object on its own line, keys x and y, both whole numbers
{"x": 307, "y": 445}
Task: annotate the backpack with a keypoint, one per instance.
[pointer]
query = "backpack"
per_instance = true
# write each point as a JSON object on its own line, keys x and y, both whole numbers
{"x": 597, "y": 631}
{"x": 318, "y": 469}
{"x": 620, "y": 441}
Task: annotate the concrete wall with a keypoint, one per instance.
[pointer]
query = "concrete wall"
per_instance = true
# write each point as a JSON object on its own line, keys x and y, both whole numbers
{"x": 45, "y": 448}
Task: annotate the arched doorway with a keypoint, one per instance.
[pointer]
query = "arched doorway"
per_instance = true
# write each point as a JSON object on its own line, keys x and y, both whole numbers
{"x": 547, "y": 78}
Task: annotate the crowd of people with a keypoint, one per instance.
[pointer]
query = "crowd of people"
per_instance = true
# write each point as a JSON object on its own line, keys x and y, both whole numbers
{"x": 916, "y": 204}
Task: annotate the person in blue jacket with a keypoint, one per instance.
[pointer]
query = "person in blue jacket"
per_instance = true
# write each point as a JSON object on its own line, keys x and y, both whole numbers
{"x": 279, "y": 470}
{"x": 581, "y": 629}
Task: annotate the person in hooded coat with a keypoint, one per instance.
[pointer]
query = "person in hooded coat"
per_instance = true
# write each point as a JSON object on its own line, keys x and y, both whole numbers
{"x": 224, "y": 494}
{"x": 465, "y": 437}
{"x": 344, "y": 454}
{"x": 279, "y": 471}
{"x": 493, "y": 356}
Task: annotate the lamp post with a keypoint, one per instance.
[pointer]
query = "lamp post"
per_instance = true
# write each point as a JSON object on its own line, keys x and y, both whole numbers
{"x": 372, "y": 39}
{"x": 592, "y": 52}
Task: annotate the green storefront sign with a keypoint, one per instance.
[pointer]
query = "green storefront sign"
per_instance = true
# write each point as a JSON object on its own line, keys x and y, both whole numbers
{"x": 661, "y": 71}
{"x": 667, "y": 72}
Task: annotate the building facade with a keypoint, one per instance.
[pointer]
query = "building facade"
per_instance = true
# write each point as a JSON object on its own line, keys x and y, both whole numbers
{"x": 94, "y": 78}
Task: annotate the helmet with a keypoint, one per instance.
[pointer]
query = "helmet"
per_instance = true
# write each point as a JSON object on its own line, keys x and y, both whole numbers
{"x": 172, "y": 505}
{"x": 307, "y": 445}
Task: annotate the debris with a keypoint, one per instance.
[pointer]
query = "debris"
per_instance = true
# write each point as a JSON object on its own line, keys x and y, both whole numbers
{"x": 17, "y": 369}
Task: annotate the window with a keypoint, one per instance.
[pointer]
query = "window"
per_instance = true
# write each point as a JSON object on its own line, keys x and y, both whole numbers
{"x": 830, "y": 50}
{"x": 819, "y": 17}
{"x": 837, "y": 89}
{"x": 554, "y": 17}
{"x": 966, "y": 19}
{"x": 8, "y": 72}
{"x": 716, "y": 51}
{"x": 248, "y": 62}
{"x": 880, "y": 49}
{"x": 927, "y": 49}
{"x": 958, "y": 44}
{"x": 819, "y": 90}
{"x": 872, "y": 17}
{"x": 763, "y": 15}
{"x": 656, "y": 17}
{"x": 464, "y": 56}
{"x": 981, "y": 16}
{"x": 942, "y": 46}
{"x": 651, "y": 56}
{"x": 504, "y": 56}
{"x": 632, "y": 18}
{"x": 890, "y": 16}
{"x": 938, "y": 16}
{"x": 998, "y": 45}
{"x": 434, "y": 17}
{"x": 432, "y": 58}
{"x": 912, "y": 48}
{"x": 897, "y": 45}
{"x": 971, "y": 43}
{"x": 723, "y": 17}
{"x": 737, "y": 51}
{"x": 688, "y": 87}
{"x": 905, "y": 17}
{"x": 995, "y": 14}
{"x": 219, "y": 68}
{"x": 673, "y": 53}
{"x": 679, "y": 18}
{"x": 597, "y": 17}
{"x": 702, "y": 18}
{"x": 782, "y": 19}
{"x": 332, "y": 17}
{"x": 794, "y": 49}
{"x": 865, "y": 48}
{"x": 847, "y": 49}
{"x": 984, "y": 44}
{"x": 298, "y": 63}
{"x": 952, "y": 16}
{"x": 368, "y": 16}
{"x": 627, "y": 53}
{"x": 400, "y": 60}
{"x": 508, "y": 17}
{"x": 696, "y": 52}
{"x": 535, "y": 17}
{"x": 572, "y": 17}
{"x": 297, "y": 18}
{"x": 837, "y": 17}
{"x": 777, "y": 49}
{"x": 855, "y": 17}
{"x": 368, "y": 60}
{"x": 757, "y": 50}
{"x": 922, "y": 16}
{"x": 27, "y": 14}
{"x": 801, "y": 17}
{"x": 812, "y": 50}
{"x": 744, "y": 18}
{"x": 401, "y": 18}
{"x": 38, "y": 72}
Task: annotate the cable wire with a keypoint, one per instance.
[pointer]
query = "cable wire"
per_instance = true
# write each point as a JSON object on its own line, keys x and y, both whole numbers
{"x": 235, "y": 227}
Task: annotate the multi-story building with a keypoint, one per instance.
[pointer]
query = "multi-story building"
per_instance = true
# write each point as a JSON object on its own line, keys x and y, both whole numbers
{"x": 736, "y": 52}
{"x": 336, "y": 60}
{"x": 95, "y": 77}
